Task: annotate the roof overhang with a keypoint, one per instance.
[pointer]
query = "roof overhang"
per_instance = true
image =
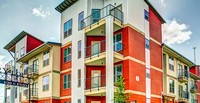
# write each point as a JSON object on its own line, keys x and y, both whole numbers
{"x": 42, "y": 48}
{"x": 174, "y": 53}
{"x": 155, "y": 11}
{"x": 64, "y": 5}
{"x": 11, "y": 45}
{"x": 194, "y": 76}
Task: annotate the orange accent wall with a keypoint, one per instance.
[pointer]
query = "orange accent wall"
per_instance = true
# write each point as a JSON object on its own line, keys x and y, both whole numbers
{"x": 155, "y": 54}
{"x": 89, "y": 99}
{"x": 155, "y": 26}
{"x": 64, "y": 92}
{"x": 138, "y": 98}
{"x": 65, "y": 100}
{"x": 66, "y": 65}
{"x": 156, "y": 82}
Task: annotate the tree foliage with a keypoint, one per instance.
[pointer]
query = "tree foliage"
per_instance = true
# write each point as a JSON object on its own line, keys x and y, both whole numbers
{"x": 120, "y": 96}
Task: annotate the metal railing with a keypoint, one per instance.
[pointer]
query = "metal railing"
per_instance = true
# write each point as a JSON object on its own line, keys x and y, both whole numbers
{"x": 102, "y": 13}
{"x": 184, "y": 94}
{"x": 33, "y": 92}
{"x": 194, "y": 88}
{"x": 95, "y": 82}
{"x": 100, "y": 47}
{"x": 31, "y": 69}
{"x": 182, "y": 73}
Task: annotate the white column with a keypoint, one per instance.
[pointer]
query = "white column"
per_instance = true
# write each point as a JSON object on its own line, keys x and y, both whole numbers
{"x": 109, "y": 61}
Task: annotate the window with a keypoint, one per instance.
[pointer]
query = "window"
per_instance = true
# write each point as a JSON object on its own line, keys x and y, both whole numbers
{"x": 22, "y": 51}
{"x": 67, "y": 54}
{"x": 117, "y": 42}
{"x": 146, "y": 15}
{"x": 147, "y": 45}
{"x": 96, "y": 15}
{"x": 147, "y": 73}
{"x": 67, "y": 81}
{"x": 67, "y": 102}
{"x": 171, "y": 86}
{"x": 117, "y": 72}
{"x": 46, "y": 58}
{"x": 80, "y": 18}
{"x": 45, "y": 83}
{"x": 68, "y": 28}
{"x": 79, "y": 49}
{"x": 79, "y": 100}
{"x": 79, "y": 78}
{"x": 35, "y": 66}
{"x": 171, "y": 63}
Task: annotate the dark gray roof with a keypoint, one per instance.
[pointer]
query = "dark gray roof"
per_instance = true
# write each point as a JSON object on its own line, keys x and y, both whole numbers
{"x": 64, "y": 5}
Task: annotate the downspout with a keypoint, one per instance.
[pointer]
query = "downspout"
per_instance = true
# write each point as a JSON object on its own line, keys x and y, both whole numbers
{"x": 162, "y": 101}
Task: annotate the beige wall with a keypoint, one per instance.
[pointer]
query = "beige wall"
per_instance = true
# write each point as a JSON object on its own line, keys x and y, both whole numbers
{"x": 54, "y": 77}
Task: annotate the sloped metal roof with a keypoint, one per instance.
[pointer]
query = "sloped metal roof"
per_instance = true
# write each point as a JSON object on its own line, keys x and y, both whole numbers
{"x": 64, "y": 5}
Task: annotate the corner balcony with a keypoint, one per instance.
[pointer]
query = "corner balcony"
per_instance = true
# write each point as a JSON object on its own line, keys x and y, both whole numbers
{"x": 96, "y": 53}
{"x": 96, "y": 86}
{"x": 194, "y": 89}
{"x": 94, "y": 25}
{"x": 31, "y": 71}
{"x": 183, "y": 96}
{"x": 182, "y": 75}
{"x": 33, "y": 94}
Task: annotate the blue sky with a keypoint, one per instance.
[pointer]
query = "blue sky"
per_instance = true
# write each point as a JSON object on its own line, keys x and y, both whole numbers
{"x": 39, "y": 18}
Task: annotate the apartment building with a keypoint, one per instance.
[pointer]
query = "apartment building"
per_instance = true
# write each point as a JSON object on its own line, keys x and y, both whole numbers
{"x": 195, "y": 70}
{"x": 18, "y": 47}
{"x": 103, "y": 39}
{"x": 42, "y": 65}
{"x": 179, "y": 84}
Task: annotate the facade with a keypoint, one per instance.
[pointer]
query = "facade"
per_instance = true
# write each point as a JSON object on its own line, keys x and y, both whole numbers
{"x": 103, "y": 39}
{"x": 195, "y": 70}
{"x": 18, "y": 47}
{"x": 179, "y": 84}
{"x": 42, "y": 64}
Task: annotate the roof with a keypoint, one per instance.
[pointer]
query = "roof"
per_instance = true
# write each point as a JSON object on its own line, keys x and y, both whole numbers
{"x": 64, "y": 5}
{"x": 17, "y": 39}
{"x": 178, "y": 55}
{"x": 155, "y": 11}
{"x": 43, "y": 47}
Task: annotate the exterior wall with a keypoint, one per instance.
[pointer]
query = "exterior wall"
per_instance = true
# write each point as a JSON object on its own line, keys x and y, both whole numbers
{"x": 101, "y": 99}
{"x": 32, "y": 43}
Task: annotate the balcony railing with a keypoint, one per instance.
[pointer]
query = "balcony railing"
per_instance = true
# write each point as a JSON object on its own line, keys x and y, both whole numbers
{"x": 183, "y": 95}
{"x": 102, "y": 13}
{"x": 194, "y": 88}
{"x": 33, "y": 93}
{"x": 182, "y": 75}
{"x": 194, "y": 101}
{"x": 32, "y": 69}
{"x": 100, "y": 47}
{"x": 95, "y": 82}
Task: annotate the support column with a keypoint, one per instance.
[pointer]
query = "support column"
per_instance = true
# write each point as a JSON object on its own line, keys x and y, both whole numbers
{"x": 109, "y": 61}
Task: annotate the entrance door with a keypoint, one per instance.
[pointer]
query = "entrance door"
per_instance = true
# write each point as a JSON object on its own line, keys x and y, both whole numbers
{"x": 96, "y": 78}
{"x": 117, "y": 42}
{"x": 95, "y": 101}
{"x": 95, "y": 47}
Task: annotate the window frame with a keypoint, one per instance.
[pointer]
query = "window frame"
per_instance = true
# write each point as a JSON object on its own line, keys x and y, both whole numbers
{"x": 171, "y": 66}
{"x": 146, "y": 15}
{"x": 67, "y": 82}
{"x": 67, "y": 57}
{"x": 147, "y": 43}
{"x": 45, "y": 87}
{"x": 46, "y": 62}
{"x": 79, "y": 77}
{"x": 67, "y": 32}
{"x": 171, "y": 86}
{"x": 79, "y": 49}
{"x": 81, "y": 14}
{"x": 116, "y": 67}
{"x": 22, "y": 49}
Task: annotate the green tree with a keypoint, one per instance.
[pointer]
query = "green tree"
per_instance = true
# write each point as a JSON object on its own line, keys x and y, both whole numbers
{"x": 120, "y": 96}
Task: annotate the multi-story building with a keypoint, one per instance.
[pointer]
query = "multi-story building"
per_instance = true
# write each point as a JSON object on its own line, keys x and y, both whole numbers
{"x": 195, "y": 70}
{"x": 42, "y": 65}
{"x": 179, "y": 84}
{"x": 18, "y": 47}
{"x": 102, "y": 39}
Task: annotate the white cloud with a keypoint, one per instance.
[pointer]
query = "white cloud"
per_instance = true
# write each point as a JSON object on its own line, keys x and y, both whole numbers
{"x": 175, "y": 33}
{"x": 40, "y": 12}
{"x": 1, "y": 60}
{"x": 162, "y": 3}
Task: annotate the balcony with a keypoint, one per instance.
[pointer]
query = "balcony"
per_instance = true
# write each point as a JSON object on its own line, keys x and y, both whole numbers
{"x": 95, "y": 23}
{"x": 96, "y": 53}
{"x": 183, "y": 96}
{"x": 7, "y": 86}
{"x": 194, "y": 88}
{"x": 33, "y": 93}
{"x": 95, "y": 86}
{"x": 194, "y": 101}
{"x": 182, "y": 75}
{"x": 31, "y": 71}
